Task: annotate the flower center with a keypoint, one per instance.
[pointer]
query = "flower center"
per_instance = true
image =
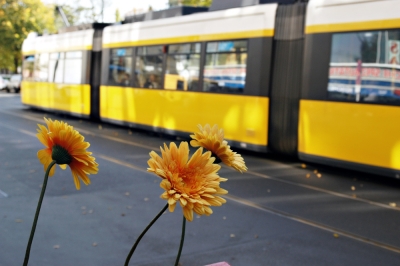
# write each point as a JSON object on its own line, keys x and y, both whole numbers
{"x": 61, "y": 155}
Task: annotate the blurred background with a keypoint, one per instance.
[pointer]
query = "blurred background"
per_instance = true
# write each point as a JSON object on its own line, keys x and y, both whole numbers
{"x": 19, "y": 18}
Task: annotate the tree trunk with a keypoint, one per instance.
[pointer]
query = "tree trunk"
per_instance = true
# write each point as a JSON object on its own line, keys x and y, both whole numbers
{"x": 16, "y": 64}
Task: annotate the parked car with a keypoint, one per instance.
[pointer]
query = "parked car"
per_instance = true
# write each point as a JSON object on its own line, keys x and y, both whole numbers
{"x": 14, "y": 83}
{"x": 4, "y": 82}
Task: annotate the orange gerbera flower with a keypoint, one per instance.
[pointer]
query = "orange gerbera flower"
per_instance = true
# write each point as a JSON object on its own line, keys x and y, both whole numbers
{"x": 212, "y": 139}
{"x": 66, "y": 146}
{"x": 194, "y": 183}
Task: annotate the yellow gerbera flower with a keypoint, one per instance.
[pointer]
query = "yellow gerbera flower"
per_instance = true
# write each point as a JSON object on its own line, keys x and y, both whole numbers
{"x": 66, "y": 146}
{"x": 194, "y": 183}
{"x": 212, "y": 139}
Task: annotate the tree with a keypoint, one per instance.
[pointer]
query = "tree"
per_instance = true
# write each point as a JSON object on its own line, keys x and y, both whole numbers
{"x": 17, "y": 19}
{"x": 117, "y": 16}
{"x": 78, "y": 14}
{"x": 97, "y": 8}
{"x": 83, "y": 14}
{"x": 199, "y": 3}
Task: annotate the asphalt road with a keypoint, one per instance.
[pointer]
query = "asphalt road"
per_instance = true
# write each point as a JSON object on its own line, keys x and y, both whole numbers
{"x": 280, "y": 212}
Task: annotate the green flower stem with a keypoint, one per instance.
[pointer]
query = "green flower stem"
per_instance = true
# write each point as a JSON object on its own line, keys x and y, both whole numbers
{"x": 182, "y": 239}
{"x": 143, "y": 233}
{"x": 46, "y": 177}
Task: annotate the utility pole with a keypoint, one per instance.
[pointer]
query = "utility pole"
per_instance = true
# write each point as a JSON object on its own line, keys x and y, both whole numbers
{"x": 63, "y": 16}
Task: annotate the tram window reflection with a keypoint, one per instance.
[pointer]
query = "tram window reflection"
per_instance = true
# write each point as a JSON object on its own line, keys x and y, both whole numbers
{"x": 27, "y": 67}
{"x": 183, "y": 67}
{"x": 225, "y": 67}
{"x": 41, "y": 67}
{"x": 149, "y": 63}
{"x": 58, "y": 59}
{"x": 365, "y": 67}
{"x": 120, "y": 67}
{"x": 73, "y": 67}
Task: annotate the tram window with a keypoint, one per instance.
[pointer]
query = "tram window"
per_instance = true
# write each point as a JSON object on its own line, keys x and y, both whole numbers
{"x": 184, "y": 48}
{"x": 149, "y": 61}
{"x": 56, "y": 67}
{"x": 183, "y": 67}
{"x": 53, "y": 64}
{"x": 27, "y": 67}
{"x": 225, "y": 67}
{"x": 365, "y": 67}
{"x": 41, "y": 67}
{"x": 73, "y": 67}
{"x": 120, "y": 67}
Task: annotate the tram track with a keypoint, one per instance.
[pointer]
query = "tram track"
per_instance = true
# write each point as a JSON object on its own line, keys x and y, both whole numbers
{"x": 232, "y": 197}
{"x": 280, "y": 213}
{"x": 250, "y": 172}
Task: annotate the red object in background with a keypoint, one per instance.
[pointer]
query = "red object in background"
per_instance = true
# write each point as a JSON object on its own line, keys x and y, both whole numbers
{"x": 359, "y": 72}
{"x": 223, "y": 263}
{"x": 393, "y": 61}
{"x": 394, "y": 48}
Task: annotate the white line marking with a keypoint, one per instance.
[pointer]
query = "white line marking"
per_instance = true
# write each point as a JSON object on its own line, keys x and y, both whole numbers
{"x": 3, "y": 194}
{"x": 386, "y": 206}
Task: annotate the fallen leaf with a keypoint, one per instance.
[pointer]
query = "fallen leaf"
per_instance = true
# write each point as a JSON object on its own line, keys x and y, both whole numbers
{"x": 232, "y": 235}
{"x": 224, "y": 217}
{"x": 146, "y": 199}
{"x": 335, "y": 235}
{"x": 303, "y": 165}
{"x": 56, "y": 246}
{"x": 255, "y": 236}
{"x": 392, "y": 204}
{"x": 126, "y": 193}
{"x": 122, "y": 214}
{"x": 319, "y": 175}
{"x": 94, "y": 244}
{"x": 353, "y": 188}
{"x": 18, "y": 220}
{"x": 308, "y": 175}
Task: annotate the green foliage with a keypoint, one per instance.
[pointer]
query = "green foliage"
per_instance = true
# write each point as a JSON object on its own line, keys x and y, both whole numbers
{"x": 17, "y": 20}
{"x": 117, "y": 15}
{"x": 199, "y": 3}
{"x": 76, "y": 14}
{"x": 20, "y": 17}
